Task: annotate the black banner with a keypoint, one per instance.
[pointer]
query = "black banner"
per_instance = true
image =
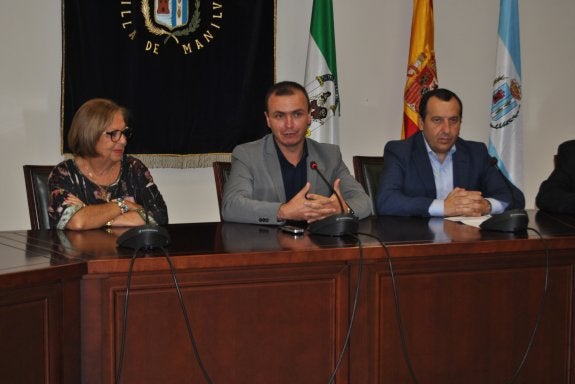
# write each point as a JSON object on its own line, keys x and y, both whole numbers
{"x": 193, "y": 73}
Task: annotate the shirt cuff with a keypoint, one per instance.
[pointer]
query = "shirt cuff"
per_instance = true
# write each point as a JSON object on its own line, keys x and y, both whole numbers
{"x": 436, "y": 208}
{"x": 496, "y": 206}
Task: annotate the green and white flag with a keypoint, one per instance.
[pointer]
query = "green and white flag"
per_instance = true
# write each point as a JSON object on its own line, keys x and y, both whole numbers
{"x": 321, "y": 74}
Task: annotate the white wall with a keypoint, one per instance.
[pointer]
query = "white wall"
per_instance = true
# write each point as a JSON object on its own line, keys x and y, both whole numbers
{"x": 372, "y": 45}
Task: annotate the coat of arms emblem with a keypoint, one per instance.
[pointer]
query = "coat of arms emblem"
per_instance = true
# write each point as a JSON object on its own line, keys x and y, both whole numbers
{"x": 171, "y": 13}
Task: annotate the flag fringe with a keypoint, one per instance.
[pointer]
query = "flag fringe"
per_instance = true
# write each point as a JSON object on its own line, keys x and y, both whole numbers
{"x": 183, "y": 161}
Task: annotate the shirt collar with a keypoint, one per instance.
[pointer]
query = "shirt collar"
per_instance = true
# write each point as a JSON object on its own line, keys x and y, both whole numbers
{"x": 281, "y": 156}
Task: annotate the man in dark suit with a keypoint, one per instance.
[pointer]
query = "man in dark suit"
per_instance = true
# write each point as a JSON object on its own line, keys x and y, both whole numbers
{"x": 271, "y": 181}
{"x": 557, "y": 193}
{"x": 436, "y": 173}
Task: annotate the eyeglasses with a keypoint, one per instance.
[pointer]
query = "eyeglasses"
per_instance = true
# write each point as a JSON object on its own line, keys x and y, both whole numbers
{"x": 115, "y": 135}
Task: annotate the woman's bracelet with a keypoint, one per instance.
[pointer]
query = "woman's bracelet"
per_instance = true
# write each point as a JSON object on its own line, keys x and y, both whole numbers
{"x": 123, "y": 206}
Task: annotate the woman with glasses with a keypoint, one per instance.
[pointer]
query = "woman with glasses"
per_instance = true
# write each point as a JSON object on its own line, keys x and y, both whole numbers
{"x": 101, "y": 186}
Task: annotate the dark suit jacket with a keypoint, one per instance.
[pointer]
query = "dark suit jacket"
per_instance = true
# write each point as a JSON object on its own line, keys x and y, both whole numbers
{"x": 407, "y": 186}
{"x": 557, "y": 193}
{"x": 255, "y": 188}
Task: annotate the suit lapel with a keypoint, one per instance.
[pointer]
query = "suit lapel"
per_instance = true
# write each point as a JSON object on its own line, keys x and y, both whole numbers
{"x": 460, "y": 166}
{"x": 272, "y": 165}
{"x": 423, "y": 166}
{"x": 312, "y": 175}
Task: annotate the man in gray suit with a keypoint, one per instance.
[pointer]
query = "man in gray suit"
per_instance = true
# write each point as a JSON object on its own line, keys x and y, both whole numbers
{"x": 271, "y": 181}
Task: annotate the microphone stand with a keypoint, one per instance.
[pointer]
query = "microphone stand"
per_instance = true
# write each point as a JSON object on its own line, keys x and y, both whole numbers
{"x": 339, "y": 224}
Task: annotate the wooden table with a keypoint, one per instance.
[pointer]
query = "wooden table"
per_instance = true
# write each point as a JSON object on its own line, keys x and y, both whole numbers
{"x": 267, "y": 307}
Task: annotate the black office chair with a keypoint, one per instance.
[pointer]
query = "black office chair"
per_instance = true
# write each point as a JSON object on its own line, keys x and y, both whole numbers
{"x": 367, "y": 170}
{"x": 36, "y": 178}
{"x": 221, "y": 173}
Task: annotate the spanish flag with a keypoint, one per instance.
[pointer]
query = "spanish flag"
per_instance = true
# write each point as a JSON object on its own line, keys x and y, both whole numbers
{"x": 421, "y": 69}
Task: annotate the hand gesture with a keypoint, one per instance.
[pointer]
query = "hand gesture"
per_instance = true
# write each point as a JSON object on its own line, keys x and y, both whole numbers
{"x": 461, "y": 202}
{"x": 310, "y": 207}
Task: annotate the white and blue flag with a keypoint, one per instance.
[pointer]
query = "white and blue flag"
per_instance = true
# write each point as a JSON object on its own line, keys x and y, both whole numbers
{"x": 506, "y": 136}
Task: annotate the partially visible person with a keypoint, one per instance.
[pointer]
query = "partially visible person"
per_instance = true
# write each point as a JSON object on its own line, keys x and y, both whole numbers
{"x": 271, "y": 181}
{"x": 437, "y": 173}
{"x": 101, "y": 186}
{"x": 557, "y": 193}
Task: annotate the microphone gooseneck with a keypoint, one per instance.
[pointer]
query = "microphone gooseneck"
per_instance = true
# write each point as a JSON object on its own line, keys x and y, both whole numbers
{"x": 335, "y": 225}
{"x": 313, "y": 165}
{"x": 513, "y": 220}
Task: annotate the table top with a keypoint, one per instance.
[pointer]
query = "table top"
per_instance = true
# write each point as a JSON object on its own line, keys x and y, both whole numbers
{"x": 234, "y": 244}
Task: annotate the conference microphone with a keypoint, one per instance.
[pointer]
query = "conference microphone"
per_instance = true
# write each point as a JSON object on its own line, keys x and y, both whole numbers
{"x": 147, "y": 236}
{"x": 335, "y": 225}
{"x": 513, "y": 220}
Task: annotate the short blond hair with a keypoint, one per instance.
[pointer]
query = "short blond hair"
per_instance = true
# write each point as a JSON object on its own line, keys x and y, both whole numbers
{"x": 88, "y": 124}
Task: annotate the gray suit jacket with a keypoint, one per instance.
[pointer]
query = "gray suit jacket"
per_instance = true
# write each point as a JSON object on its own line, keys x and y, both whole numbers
{"x": 255, "y": 189}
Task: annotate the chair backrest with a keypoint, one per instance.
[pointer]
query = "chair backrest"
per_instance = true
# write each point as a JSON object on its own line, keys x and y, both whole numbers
{"x": 367, "y": 170}
{"x": 36, "y": 178}
{"x": 221, "y": 173}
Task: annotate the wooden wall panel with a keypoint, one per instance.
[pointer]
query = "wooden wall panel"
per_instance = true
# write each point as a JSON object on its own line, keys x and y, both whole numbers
{"x": 269, "y": 325}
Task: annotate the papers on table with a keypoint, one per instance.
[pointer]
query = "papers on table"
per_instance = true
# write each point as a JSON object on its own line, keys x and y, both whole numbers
{"x": 473, "y": 221}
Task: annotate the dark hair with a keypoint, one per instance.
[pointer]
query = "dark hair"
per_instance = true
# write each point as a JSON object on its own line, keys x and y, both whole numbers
{"x": 90, "y": 120}
{"x": 286, "y": 88}
{"x": 440, "y": 93}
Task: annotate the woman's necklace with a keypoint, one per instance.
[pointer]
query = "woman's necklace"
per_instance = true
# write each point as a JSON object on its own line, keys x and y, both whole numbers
{"x": 104, "y": 193}
{"x": 97, "y": 177}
